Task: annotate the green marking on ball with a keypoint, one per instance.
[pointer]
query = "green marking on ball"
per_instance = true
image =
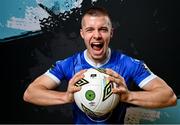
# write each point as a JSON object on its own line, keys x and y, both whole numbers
{"x": 90, "y": 95}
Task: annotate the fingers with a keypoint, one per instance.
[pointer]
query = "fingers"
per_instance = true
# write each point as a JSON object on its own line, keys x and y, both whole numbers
{"x": 112, "y": 73}
{"x": 115, "y": 80}
{"x": 115, "y": 77}
{"x": 123, "y": 93}
{"x": 119, "y": 90}
{"x": 74, "y": 89}
{"x": 79, "y": 75}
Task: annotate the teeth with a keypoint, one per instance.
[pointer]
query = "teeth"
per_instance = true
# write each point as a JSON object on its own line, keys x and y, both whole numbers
{"x": 97, "y": 43}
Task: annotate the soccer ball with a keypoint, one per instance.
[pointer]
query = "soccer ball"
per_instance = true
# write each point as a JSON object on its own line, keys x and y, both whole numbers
{"x": 95, "y": 97}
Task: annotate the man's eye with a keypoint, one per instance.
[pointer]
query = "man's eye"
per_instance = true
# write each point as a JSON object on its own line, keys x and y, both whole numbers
{"x": 89, "y": 30}
{"x": 104, "y": 30}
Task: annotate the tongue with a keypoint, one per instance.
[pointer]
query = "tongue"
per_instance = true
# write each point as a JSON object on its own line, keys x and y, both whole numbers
{"x": 97, "y": 48}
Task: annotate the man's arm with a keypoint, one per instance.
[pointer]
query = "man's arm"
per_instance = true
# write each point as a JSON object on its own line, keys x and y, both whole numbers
{"x": 41, "y": 91}
{"x": 156, "y": 93}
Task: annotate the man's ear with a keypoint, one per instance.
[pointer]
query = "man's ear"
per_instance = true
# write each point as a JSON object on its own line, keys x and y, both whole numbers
{"x": 81, "y": 33}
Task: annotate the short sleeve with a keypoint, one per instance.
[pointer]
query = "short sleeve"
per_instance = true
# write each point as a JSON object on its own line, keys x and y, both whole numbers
{"x": 141, "y": 73}
{"x": 56, "y": 72}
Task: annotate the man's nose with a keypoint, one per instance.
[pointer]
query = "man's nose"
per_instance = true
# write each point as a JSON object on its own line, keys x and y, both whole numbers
{"x": 97, "y": 34}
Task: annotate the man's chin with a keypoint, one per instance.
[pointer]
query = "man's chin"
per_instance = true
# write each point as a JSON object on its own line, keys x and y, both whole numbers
{"x": 98, "y": 53}
{"x": 98, "y": 57}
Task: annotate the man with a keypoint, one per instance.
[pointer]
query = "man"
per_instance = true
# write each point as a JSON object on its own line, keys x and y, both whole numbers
{"x": 97, "y": 31}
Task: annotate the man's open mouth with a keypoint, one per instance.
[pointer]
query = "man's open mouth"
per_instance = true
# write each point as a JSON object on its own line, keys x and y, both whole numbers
{"x": 97, "y": 46}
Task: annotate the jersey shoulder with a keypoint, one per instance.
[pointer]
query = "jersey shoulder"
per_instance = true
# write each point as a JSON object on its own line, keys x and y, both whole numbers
{"x": 124, "y": 59}
{"x": 64, "y": 69}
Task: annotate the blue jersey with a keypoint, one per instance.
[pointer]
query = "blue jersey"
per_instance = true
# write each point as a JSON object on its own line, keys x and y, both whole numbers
{"x": 131, "y": 69}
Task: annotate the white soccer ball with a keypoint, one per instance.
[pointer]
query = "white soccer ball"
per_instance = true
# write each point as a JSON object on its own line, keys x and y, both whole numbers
{"x": 95, "y": 97}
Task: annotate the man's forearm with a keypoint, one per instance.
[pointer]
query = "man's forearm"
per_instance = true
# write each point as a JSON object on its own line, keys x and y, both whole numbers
{"x": 45, "y": 97}
{"x": 152, "y": 99}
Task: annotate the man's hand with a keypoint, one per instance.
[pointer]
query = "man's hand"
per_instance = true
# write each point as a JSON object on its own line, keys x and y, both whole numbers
{"x": 71, "y": 86}
{"x": 156, "y": 93}
{"x": 121, "y": 88}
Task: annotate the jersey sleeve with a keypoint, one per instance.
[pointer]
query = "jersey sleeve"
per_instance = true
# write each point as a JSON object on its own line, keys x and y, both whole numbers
{"x": 56, "y": 72}
{"x": 141, "y": 73}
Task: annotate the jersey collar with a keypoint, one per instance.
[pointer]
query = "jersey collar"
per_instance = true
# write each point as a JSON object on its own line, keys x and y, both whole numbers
{"x": 98, "y": 65}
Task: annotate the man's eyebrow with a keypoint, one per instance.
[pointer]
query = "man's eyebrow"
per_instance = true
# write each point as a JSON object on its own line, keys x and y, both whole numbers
{"x": 104, "y": 27}
{"x": 89, "y": 27}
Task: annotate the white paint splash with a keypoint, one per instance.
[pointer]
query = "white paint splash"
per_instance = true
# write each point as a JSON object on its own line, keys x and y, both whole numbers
{"x": 59, "y": 6}
{"x": 135, "y": 114}
{"x": 31, "y": 20}
{"x": 33, "y": 14}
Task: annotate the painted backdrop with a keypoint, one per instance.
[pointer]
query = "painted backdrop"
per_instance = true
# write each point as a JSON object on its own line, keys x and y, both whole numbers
{"x": 36, "y": 33}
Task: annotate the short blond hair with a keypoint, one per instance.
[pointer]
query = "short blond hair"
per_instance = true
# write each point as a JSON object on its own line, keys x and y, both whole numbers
{"x": 96, "y": 11}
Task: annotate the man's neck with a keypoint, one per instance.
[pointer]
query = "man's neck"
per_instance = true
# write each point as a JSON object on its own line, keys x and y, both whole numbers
{"x": 97, "y": 63}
